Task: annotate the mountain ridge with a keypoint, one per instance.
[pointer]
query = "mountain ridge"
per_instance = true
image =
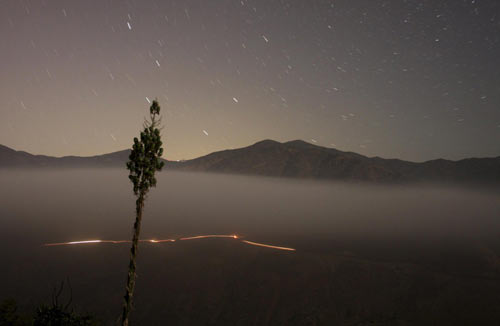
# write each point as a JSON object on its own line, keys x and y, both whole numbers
{"x": 295, "y": 159}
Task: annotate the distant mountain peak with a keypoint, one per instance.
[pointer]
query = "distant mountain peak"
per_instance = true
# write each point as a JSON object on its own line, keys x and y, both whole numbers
{"x": 298, "y": 142}
{"x": 266, "y": 142}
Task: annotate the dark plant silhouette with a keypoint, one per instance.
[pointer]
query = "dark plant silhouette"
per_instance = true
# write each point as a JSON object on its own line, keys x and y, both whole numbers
{"x": 144, "y": 161}
{"x": 45, "y": 315}
{"x": 10, "y": 316}
{"x": 55, "y": 314}
{"x": 58, "y": 314}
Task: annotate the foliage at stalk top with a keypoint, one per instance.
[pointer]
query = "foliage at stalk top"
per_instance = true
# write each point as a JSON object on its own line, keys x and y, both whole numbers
{"x": 144, "y": 159}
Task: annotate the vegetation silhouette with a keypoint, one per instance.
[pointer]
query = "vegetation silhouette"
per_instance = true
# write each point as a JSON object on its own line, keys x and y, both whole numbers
{"x": 144, "y": 161}
{"x": 10, "y": 315}
{"x": 54, "y": 314}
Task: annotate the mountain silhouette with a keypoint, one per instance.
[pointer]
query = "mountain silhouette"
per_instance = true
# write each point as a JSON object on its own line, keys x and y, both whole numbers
{"x": 295, "y": 159}
{"x": 18, "y": 159}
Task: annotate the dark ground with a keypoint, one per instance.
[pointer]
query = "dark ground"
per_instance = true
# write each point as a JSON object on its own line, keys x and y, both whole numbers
{"x": 226, "y": 282}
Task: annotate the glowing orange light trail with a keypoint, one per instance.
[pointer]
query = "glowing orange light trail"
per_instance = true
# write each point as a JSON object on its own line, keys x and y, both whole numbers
{"x": 232, "y": 236}
{"x": 158, "y": 241}
{"x": 72, "y": 243}
{"x": 211, "y": 236}
{"x": 266, "y": 245}
{"x": 103, "y": 241}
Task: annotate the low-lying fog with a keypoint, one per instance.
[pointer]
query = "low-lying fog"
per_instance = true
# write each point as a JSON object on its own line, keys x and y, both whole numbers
{"x": 414, "y": 224}
{"x": 76, "y": 204}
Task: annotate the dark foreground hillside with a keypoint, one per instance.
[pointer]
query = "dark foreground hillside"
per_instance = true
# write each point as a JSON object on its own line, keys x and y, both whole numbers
{"x": 251, "y": 286}
{"x": 224, "y": 282}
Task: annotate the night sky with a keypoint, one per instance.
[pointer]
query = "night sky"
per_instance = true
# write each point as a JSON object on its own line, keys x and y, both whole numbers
{"x": 415, "y": 80}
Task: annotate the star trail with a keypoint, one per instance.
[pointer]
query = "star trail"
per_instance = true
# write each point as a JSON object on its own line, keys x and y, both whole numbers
{"x": 415, "y": 80}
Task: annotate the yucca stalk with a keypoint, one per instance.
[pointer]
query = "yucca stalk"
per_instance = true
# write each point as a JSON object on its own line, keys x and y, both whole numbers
{"x": 144, "y": 161}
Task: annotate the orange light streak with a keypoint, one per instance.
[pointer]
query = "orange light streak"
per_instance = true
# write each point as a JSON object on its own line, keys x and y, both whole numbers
{"x": 83, "y": 242}
{"x": 73, "y": 243}
{"x": 158, "y": 241}
{"x": 211, "y": 236}
{"x": 103, "y": 241}
{"x": 266, "y": 245}
{"x": 232, "y": 236}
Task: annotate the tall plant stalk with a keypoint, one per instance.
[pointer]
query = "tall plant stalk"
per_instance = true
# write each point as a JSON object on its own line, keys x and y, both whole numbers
{"x": 144, "y": 161}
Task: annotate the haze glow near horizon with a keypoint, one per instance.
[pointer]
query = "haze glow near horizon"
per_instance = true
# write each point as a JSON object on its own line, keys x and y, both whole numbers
{"x": 415, "y": 80}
